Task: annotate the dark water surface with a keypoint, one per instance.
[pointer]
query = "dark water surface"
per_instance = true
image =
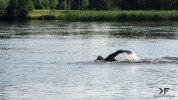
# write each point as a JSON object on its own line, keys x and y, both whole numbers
{"x": 53, "y": 60}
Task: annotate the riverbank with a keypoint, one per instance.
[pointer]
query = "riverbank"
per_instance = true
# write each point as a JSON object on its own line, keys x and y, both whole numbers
{"x": 119, "y": 15}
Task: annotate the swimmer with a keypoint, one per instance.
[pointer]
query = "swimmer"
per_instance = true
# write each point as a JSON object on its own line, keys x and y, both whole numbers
{"x": 111, "y": 57}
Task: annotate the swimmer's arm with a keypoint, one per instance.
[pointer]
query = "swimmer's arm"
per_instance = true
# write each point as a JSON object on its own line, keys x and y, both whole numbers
{"x": 112, "y": 56}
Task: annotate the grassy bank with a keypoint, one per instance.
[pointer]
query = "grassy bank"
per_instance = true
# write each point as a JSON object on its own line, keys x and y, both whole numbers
{"x": 44, "y": 14}
{"x": 125, "y": 15}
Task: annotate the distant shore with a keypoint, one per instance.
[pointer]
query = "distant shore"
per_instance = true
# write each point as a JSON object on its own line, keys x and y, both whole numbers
{"x": 116, "y": 15}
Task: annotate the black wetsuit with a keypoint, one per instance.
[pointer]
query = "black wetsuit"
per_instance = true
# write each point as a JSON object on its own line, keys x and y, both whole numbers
{"x": 111, "y": 57}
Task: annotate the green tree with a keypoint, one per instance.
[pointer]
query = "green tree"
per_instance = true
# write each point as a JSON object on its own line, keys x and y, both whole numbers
{"x": 75, "y": 4}
{"x": 69, "y": 5}
{"x": 3, "y": 6}
{"x": 64, "y": 5}
{"x": 141, "y": 4}
{"x": 11, "y": 12}
{"x": 41, "y": 4}
{"x": 37, "y": 4}
{"x": 109, "y": 4}
{"x": 59, "y": 6}
{"x": 52, "y": 5}
{"x": 45, "y": 4}
{"x": 85, "y": 4}
{"x": 19, "y": 8}
{"x": 24, "y": 8}
{"x": 99, "y": 5}
{"x": 168, "y": 4}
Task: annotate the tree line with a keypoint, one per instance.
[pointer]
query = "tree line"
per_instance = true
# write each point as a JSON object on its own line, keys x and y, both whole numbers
{"x": 21, "y": 8}
{"x": 11, "y": 9}
{"x": 109, "y": 4}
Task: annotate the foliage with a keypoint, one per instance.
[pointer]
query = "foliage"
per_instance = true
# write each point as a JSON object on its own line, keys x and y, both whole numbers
{"x": 69, "y": 5}
{"x": 24, "y": 8}
{"x": 106, "y": 4}
{"x": 121, "y": 15}
{"x": 116, "y": 15}
{"x": 3, "y": 6}
{"x": 41, "y": 4}
{"x": 11, "y": 12}
{"x": 64, "y": 5}
{"x": 53, "y": 5}
{"x": 19, "y": 9}
{"x": 85, "y": 4}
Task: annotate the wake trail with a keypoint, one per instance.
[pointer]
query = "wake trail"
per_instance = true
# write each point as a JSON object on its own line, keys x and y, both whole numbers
{"x": 133, "y": 58}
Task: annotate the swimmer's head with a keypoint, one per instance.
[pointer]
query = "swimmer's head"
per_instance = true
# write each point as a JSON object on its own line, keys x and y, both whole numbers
{"x": 99, "y": 58}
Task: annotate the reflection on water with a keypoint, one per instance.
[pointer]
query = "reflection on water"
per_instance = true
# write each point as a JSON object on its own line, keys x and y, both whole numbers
{"x": 143, "y": 30}
{"x": 49, "y": 60}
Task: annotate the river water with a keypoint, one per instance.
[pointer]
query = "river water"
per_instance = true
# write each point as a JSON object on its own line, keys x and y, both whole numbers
{"x": 54, "y": 60}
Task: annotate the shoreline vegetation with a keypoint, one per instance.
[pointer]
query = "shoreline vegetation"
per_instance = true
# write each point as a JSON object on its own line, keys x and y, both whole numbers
{"x": 89, "y": 10}
{"x": 116, "y": 15}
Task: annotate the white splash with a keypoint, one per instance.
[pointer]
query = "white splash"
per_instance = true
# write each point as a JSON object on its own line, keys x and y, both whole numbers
{"x": 127, "y": 57}
{"x": 132, "y": 57}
